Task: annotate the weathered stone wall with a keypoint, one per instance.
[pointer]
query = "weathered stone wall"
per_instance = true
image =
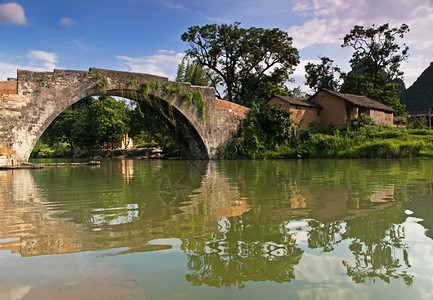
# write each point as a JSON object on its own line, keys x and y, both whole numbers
{"x": 42, "y": 96}
{"x": 229, "y": 116}
{"x": 12, "y": 130}
{"x": 231, "y": 107}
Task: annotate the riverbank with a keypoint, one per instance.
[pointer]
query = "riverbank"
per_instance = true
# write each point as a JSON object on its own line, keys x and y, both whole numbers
{"x": 352, "y": 141}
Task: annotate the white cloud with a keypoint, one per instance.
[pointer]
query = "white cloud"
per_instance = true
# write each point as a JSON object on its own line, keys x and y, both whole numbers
{"x": 164, "y": 63}
{"x": 332, "y": 19}
{"x": 221, "y": 20}
{"x": 12, "y": 13}
{"x": 328, "y": 21}
{"x": 172, "y": 5}
{"x": 47, "y": 59}
{"x": 66, "y": 22}
{"x": 8, "y": 70}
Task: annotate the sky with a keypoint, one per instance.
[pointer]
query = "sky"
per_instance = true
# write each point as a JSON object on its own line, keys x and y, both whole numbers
{"x": 144, "y": 35}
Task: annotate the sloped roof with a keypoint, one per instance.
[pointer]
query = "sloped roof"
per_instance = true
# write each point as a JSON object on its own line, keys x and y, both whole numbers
{"x": 361, "y": 101}
{"x": 298, "y": 101}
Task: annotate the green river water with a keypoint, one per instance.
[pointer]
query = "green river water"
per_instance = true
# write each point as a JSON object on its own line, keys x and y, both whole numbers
{"x": 160, "y": 229}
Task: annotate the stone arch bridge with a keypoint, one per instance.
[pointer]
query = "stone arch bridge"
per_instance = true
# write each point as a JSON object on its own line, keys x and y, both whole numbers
{"x": 31, "y": 102}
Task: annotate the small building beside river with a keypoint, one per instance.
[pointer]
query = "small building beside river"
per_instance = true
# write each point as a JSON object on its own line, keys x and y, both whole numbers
{"x": 328, "y": 107}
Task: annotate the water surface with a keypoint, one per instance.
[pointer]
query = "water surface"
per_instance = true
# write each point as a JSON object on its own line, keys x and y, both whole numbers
{"x": 288, "y": 229}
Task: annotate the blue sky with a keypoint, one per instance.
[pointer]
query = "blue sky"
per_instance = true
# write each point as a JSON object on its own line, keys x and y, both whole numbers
{"x": 144, "y": 35}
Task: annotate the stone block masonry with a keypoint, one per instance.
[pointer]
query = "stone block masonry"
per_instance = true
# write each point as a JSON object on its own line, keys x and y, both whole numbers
{"x": 39, "y": 97}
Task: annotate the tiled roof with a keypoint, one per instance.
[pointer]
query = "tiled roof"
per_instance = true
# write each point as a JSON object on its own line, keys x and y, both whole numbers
{"x": 361, "y": 101}
{"x": 298, "y": 101}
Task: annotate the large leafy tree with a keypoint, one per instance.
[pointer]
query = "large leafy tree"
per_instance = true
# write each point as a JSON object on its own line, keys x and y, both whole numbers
{"x": 375, "y": 63}
{"x": 376, "y": 51}
{"x": 242, "y": 58}
{"x": 323, "y": 75}
{"x": 105, "y": 120}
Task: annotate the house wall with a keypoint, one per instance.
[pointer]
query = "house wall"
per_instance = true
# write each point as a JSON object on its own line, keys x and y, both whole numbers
{"x": 300, "y": 113}
{"x": 381, "y": 117}
{"x": 8, "y": 87}
{"x": 334, "y": 109}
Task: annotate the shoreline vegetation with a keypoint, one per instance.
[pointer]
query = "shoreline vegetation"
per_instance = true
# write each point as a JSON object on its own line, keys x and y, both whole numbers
{"x": 270, "y": 134}
{"x": 360, "y": 139}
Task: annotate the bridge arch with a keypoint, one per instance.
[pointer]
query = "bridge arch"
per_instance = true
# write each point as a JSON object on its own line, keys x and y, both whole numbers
{"x": 41, "y": 96}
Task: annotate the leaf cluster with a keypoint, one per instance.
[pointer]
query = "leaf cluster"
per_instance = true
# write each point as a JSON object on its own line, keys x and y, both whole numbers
{"x": 241, "y": 58}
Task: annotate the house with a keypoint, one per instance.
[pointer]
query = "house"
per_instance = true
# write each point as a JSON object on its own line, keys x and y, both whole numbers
{"x": 328, "y": 107}
{"x": 304, "y": 112}
{"x": 340, "y": 109}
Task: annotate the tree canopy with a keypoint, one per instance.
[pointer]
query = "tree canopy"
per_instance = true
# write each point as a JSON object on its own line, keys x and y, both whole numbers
{"x": 375, "y": 64}
{"x": 376, "y": 51}
{"x": 322, "y": 75}
{"x": 241, "y": 58}
{"x": 105, "y": 120}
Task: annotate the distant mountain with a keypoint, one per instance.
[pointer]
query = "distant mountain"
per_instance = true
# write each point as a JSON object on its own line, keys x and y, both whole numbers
{"x": 420, "y": 95}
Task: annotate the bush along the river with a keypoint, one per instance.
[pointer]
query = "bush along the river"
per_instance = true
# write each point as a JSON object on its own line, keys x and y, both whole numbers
{"x": 270, "y": 134}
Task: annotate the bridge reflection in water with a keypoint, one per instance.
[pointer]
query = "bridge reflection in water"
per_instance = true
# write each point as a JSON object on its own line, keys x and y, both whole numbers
{"x": 235, "y": 221}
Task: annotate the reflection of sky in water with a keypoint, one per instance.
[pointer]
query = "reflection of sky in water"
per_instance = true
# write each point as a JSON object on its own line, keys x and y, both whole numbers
{"x": 421, "y": 256}
{"x": 128, "y": 216}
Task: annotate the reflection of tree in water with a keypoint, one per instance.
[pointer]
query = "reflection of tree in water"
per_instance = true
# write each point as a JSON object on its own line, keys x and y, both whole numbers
{"x": 175, "y": 189}
{"x": 376, "y": 244}
{"x": 242, "y": 252}
{"x": 381, "y": 259}
{"x": 324, "y": 235}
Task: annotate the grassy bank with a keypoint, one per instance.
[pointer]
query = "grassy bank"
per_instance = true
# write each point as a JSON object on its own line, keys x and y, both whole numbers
{"x": 361, "y": 139}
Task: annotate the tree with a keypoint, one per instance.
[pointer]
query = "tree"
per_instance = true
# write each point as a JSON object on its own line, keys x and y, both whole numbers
{"x": 150, "y": 129}
{"x": 242, "y": 58}
{"x": 60, "y": 130}
{"x": 194, "y": 73}
{"x": 105, "y": 120}
{"x": 322, "y": 75}
{"x": 375, "y": 66}
{"x": 376, "y": 51}
{"x": 384, "y": 92}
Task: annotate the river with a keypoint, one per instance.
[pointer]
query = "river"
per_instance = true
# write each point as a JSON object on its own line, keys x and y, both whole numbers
{"x": 161, "y": 229}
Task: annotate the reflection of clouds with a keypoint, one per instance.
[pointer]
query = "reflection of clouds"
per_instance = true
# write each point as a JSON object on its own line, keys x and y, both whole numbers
{"x": 331, "y": 292}
{"x": 328, "y": 275}
{"x": 14, "y": 292}
{"x": 321, "y": 269}
{"x": 420, "y": 256}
